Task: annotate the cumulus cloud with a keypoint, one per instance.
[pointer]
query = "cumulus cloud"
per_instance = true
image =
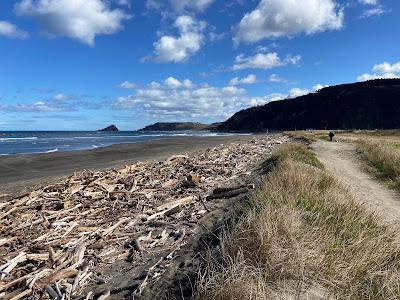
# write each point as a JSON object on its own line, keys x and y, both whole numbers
{"x": 175, "y": 99}
{"x": 127, "y": 85}
{"x": 10, "y": 30}
{"x": 173, "y": 83}
{"x": 250, "y": 79}
{"x": 82, "y": 20}
{"x": 179, "y": 49}
{"x": 264, "y": 61}
{"x": 278, "y": 18}
{"x": 386, "y": 67}
{"x": 297, "y": 92}
{"x": 384, "y": 70}
{"x": 257, "y": 101}
{"x": 319, "y": 87}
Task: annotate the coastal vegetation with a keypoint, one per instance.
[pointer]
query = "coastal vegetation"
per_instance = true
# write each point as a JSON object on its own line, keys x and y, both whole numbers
{"x": 303, "y": 235}
{"x": 382, "y": 158}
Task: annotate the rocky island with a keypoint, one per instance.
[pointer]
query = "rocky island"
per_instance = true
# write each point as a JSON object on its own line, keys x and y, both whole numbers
{"x": 110, "y": 128}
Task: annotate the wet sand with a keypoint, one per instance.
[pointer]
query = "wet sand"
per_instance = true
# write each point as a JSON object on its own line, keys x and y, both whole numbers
{"x": 19, "y": 172}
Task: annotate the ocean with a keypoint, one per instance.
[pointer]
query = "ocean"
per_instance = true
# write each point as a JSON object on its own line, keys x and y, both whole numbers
{"x": 27, "y": 142}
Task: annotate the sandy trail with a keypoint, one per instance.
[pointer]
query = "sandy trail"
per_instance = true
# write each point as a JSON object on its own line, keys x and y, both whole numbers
{"x": 341, "y": 160}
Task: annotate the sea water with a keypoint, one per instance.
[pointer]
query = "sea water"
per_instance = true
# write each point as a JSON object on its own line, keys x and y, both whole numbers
{"x": 26, "y": 142}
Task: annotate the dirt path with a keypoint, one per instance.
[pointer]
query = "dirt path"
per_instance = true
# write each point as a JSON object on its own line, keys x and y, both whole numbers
{"x": 341, "y": 160}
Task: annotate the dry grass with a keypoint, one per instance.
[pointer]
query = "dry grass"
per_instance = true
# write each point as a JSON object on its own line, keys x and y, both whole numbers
{"x": 383, "y": 157}
{"x": 309, "y": 137}
{"x": 303, "y": 237}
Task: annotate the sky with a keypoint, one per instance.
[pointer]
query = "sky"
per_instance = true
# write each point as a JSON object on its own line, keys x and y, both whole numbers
{"x": 86, "y": 64}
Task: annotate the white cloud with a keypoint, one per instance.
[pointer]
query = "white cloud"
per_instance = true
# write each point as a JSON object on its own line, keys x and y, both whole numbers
{"x": 179, "y": 6}
{"x": 373, "y": 12}
{"x": 178, "y": 49}
{"x": 173, "y": 83}
{"x": 178, "y": 102}
{"x": 368, "y": 76}
{"x": 60, "y": 97}
{"x": 276, "y": 78}
{"x": 82, "y": 20}
{"x": 187, "y": 83}
{"x": 319, "y": 87}
{"x": 387, "y": 68}
{"x": 126, "y": 3}
{"x": 296, "y": 92}
{"x": 127, "y": 85}
{"x": 10, "y": 30}
{"x": 264, "y": 61}
{"x": 250, "y": 79}
{"x": 384, "y": 70}
{"x": 368, "y": 2}
{"x": 198, "y": 5}
{"x": 373, "y": 9}
{"x": 257, "y": 101}
{"x": 37, "y": 107}
{"x": 277, "y": 18}
{"x": 56, "y": 103}
{"x": 162, "y": 101}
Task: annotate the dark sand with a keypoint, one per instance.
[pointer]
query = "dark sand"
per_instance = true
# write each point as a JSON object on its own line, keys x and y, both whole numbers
{"x": 19, "y": 172}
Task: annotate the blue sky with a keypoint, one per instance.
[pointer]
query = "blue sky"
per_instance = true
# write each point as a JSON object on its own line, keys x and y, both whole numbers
{"x": 85, "y": 64}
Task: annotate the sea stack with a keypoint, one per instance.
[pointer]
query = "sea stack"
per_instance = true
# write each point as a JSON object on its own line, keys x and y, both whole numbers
{"x": 110, "y": 128}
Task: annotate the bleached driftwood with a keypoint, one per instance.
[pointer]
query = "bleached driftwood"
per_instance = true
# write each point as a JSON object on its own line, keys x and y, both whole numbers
{"x": 62, "y": 234}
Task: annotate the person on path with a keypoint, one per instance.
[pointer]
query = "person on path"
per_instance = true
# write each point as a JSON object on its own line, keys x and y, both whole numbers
{"x": 331, "y": 135}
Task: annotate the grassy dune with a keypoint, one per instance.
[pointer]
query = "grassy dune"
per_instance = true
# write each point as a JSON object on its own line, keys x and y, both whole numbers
{"x": 383, "y": 159}
{"x": 302, "y": 236}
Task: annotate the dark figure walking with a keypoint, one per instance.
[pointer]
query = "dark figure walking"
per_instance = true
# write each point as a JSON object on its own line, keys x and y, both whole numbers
{"x": 331, "y": 135}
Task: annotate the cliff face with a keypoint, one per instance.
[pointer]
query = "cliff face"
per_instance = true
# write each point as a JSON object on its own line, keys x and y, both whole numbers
{"x": 110, "y": 128}
{"x": 365, "y": 105}
{"x": 177, "y": 126}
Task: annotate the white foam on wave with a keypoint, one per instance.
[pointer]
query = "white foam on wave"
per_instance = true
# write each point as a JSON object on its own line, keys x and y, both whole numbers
{"x": 32, "y": 138}
{"x": 52, "y": 151}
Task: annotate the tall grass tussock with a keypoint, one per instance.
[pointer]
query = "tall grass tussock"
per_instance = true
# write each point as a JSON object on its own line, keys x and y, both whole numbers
{"x": 383, "y": 159}
{"x": 303, "y": 237}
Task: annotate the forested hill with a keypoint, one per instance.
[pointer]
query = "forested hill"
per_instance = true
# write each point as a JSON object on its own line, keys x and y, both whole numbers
{"x": 178, "y": 126}
{"x": 372, "y": 104}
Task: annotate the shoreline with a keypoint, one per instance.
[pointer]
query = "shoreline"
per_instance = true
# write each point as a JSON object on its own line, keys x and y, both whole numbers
{"x": 22, "y": 171}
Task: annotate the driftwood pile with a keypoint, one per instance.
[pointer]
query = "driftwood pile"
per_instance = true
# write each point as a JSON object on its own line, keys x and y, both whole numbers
{"x": 56, "y": 241}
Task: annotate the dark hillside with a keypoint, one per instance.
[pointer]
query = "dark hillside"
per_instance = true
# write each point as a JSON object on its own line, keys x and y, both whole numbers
{"x": 364, "y": 105}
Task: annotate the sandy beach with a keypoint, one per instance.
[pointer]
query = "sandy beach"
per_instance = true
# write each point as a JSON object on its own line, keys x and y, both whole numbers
{"x": 18, "y": 172}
